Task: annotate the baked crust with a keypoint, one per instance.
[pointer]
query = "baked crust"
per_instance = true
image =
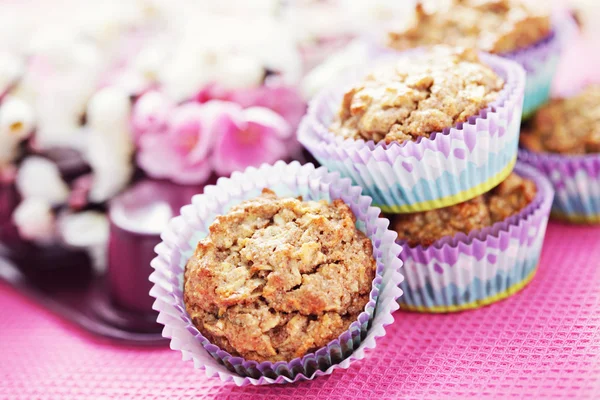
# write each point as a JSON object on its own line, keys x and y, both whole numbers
{"x": 566, "y": 126}
{"x": 494, "y": 26}
{"x": 505, "y": 200}
{"x": 415, "y": 97}
{"x": 277, "y": 278}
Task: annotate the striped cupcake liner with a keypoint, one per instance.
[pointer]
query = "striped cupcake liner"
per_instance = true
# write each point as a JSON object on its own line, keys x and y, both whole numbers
{"x": 576, "y": 180}
{"x": 448, "y": 168}
{"x": 540, "y": 62}
{"x": 184, "y": 232}
{"x": 470, "y": 271}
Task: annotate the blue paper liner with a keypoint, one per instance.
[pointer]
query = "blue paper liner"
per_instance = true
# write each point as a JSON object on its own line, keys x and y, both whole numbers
{"x": 450, "y": 167}
{"x": 469, "y": 271}
{"x": 576, "y": 180}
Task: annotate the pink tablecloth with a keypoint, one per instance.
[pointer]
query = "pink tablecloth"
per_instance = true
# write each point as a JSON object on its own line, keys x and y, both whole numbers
{"x": 542, "y": 343}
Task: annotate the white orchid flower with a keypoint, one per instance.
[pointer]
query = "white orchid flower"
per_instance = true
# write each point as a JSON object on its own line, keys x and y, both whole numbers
{"x": 40, "y": 178}
{"x": 11, "y": 69}
{"x": 17, "y": 121}
{"x": 88, "y": 230}
{"x": 35, "y": 220}
{"x": 110, "y": 143}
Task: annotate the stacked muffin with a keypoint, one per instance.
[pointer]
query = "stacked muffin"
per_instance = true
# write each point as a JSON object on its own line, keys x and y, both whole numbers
{"x": 512, "y": 29}
{"x": 432, "y": 134}
{"x": 290, "y": 282}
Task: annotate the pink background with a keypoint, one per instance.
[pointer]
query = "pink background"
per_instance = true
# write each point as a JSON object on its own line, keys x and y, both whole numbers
{"x": 541, "y": 343}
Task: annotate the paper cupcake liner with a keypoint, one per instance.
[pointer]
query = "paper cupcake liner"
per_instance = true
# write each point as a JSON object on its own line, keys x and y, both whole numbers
{"x": 540, "y": 62}
{"x": 576, "y": 180}
{"x": 184, "y": 232}
{"x": 470, "y": 271}
{"x": 449, "y": 167}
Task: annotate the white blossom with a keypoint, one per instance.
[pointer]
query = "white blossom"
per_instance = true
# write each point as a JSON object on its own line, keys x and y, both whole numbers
{"x": 16, "y": 124}
{"x": 11, "y": 69}
{"x": 40, "y": 178}
{"x": 108, "y": 112}
{"x": 59, "y": 87}
{"x": 83, "y": 229}
{"x": 354, "y": 55}
{"x": 152, "y": 104}
{"x": 35, "y": 221}
{"x": 110, "y": 143}
{"x": 111, "y": 172}
{"x": 17, "y": 118}
{"x": 88, "y": 230}
{"x": 236, "y": 55}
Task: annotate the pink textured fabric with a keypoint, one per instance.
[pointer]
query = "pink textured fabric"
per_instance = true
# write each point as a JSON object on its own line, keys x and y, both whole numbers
{"x": 541, "y": 343}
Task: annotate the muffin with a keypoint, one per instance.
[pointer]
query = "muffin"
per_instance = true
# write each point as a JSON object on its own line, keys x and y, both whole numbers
{"x": 276, "y": 275}
{"x": 510, "y": 28}
{"x": 409, "y": 100}
{"x": 476, "y": 252}
{"x": 563, "y": 141}
{"x": 569, "y": 126}
{"x": 493, "y": 26}
{"x": 420, "y": 130}
{"x": 503, "y": 201}
{"x": 277, "y": 278}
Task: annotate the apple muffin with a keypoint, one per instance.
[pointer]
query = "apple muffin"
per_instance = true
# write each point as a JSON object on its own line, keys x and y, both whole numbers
{"x": 277, "y": 278}
{"x": 569, "y": 126}
{"x": 493, "y": 26}
{"x": 505, "y": 200}
{"x": 416, "y": 96}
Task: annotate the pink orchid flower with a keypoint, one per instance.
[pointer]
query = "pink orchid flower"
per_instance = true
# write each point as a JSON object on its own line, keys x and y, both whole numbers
{"x": 249, "y": 137}
{"x": 284, "y": 100}
{"x": 180, "y": 154}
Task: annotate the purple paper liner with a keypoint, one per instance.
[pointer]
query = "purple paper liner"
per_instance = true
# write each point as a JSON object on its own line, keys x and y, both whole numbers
{"x": 320, "y": 116}
{"x": 541, "y": 62}
{"x": 451, "y": 166}
{"x": 467, "y": 271}
{"x": 576, "y": 180}
{"x": 293, "y": 179}
{"x": 531, "y": 57}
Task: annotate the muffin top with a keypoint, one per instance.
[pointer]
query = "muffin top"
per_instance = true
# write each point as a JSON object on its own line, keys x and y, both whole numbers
{"x": 566, "y": 126}
{"x": 506, "y": 199}
{"x": 277, "y": 278}
{"x": 494, "y": 26}
{"x": 416, "y": 96}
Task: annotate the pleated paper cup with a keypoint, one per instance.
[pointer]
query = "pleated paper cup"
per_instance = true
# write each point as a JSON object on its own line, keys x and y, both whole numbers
{"x": 186, "y": 230}
{"x": 576, "y": 180}
{"x": 470, "y": 271}
{"x": 450, "y": 167}
{"x": 540, "y": 62}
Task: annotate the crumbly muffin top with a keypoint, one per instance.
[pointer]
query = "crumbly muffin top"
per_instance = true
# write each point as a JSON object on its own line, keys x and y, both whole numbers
{"x": 566, "y": 126}
{"x": 494, "y": 26}
{"x": 416, "y": 96}
{"x": 277, "y": 278}
{"x": 505, "y": 200}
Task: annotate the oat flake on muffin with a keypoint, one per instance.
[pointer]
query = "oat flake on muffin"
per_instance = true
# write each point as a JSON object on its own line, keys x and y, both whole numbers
{"x": 566, "y": 126}
{"x": 277, "y": 278}
{"x": 494, "y": 26}
{"x": 417, "y": 95}
{"x": 505, "y": 200}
